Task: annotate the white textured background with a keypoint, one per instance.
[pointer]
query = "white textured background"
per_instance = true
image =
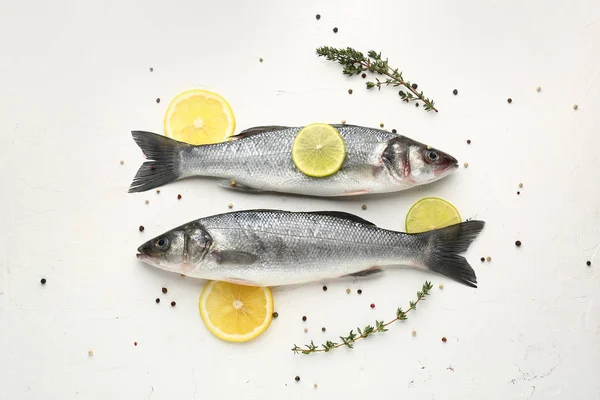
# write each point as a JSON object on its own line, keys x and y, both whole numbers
{"x": 75, "y": 80}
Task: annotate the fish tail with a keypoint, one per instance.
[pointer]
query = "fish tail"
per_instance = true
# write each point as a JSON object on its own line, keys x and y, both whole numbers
{"x": 445, "y": 244}
{"x": 164, "y": 161}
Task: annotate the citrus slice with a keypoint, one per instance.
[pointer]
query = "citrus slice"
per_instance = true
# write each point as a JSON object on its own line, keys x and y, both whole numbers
{"x": 199, "y": 117}
{"x": 236, "y": 313}
{"x": 318, "y": 150}
{"x": 431, "y": 213}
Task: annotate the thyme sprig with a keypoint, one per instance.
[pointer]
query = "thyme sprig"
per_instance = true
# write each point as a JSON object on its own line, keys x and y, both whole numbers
{"x": 368, "y": 330}
{"x": 355, "y": 63}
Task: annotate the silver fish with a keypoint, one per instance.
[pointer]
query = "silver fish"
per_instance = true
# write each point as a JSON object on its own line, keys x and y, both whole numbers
{"x": 274, "y": 247}
{"x": 260, "y": 159}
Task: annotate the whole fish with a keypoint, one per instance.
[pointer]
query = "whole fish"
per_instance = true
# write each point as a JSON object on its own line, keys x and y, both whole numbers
{"x": 260, "y": 159}
{"x": 274, "y": 247}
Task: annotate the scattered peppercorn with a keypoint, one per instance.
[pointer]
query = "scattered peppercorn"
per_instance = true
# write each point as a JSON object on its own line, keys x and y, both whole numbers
{"x": 381, "y": 124}
{"x": 260, "y": 59}
{"x": 297, "y": 378}
{"x": 158, "y": 100}
{"x": 372, "y": 305}
{"x": 509, "y": 100}
{"x": 489, "y": 259}
{"x": 364, "y": 206}
{"x": 518, "y": 192}
{"x": 230, "y": 205}
{"x": 359, "y": 291}
{"x": 43, "y": 281}
{"x": 315, "y": 386}
{"x": 401, "y": 93}
{"x": 455, "y": 92}
{"x": 468, "y": 141}
{"x": 122, "y": 162}
{"x": 233, "y": 184}
{"x": 444, "y": 339}
{"x": 417, "y": 104}
{"x": 588, "y": 263}
{"x": 538, "y": 89}
{"x": 305, "y": 330}
{"x": 147, "y": 201}
{"x": 178, "y": 197}
{"x": 157, "y": 191}
{"x": 151, "y": 69}
{"x": 173, "y": 304}
{"x": 414, "y": 333}
{"x": 318, "y": 16}
{"x": 304, "y": 318}
{"x": 520, "y": 185}
{"x": 482, "y": 259}
{"x": 518, "y": 243}
{"x": 349, "y": 91}
{"x": 394, "y": 131}
{"x": 135, "y": 343}
{"x": 275, "y": 314}
{"x": 414, "y": 85}
{"x": 90, "y": 353}
{"x": 348, "y": 290}
{"x": 157, "y": 300}
{"x": 335, "y": 30}
{"x": 441, "y": 286}
{"x": 364, "y": 75}
{"x": 323, "y": 329}
{"x": 141, "y": 228}
{"x": 164, "y": 290}
{"x": 324, "y": 288}
{"x": 343, "y": 122}
{"x": 466, "y": 165}
{"x": 575, "y": 106}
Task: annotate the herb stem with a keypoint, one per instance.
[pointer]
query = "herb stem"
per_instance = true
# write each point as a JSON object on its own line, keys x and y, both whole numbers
{"x": 355, "y": 63}
{"x": 368, "y": 330}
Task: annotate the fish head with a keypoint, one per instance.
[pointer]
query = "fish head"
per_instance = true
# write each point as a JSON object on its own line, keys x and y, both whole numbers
{"x": 177, "y": 250}
{"x": 417, "y": 163}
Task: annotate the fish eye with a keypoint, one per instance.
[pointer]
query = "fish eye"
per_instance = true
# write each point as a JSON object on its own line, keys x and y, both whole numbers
{"x": 431, "y": 155}
{"x": 162, "y": 243}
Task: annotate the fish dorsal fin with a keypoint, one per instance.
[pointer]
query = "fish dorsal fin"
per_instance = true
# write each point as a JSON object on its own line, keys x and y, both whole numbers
{"x": 343, "y": 215}
{"x": 256, "y": 130}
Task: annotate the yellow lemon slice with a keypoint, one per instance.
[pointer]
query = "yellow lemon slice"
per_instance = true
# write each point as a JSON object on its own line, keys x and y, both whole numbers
{"x": 199, "y": 117}
{"x": 318, "y": 150}
{"x": 236, "y": 313}
{"x": 431, "y": 213}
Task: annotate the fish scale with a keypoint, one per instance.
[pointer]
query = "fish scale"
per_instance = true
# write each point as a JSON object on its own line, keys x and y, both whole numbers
{"x": 275, "y": 247}
{"x": 260, "y": 159}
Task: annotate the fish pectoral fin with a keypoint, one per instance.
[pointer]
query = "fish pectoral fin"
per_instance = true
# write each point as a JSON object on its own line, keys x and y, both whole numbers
{"x": 237, "y": 186}
{"x": 235, "y": 257}
{"x": 367, "y": 272}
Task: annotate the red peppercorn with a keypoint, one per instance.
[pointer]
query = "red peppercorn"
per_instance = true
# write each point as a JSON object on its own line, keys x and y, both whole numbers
{"x": 142, "y": 228}
{"x": 164, "y": 290}
{"x": 372, "y": 305}
{"x": 173, "y": 304}
{"x": 469, "y": 141}
{"x": 178, "y": 197}
{"x": 135, "y": 343}
{"x": 304, "y": 318}
{"x": 444, "y": 339}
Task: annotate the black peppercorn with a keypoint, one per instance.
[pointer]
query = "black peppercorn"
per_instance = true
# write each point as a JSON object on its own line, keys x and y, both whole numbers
{"x": 335, "y": 30}
{"x": 158, "y": 100}
{"x": 173, "y": 304}
{"x": 482, "y": 259}
{"x": 323, "y": 329}
{"x": 518, "y": 243}
{"x": 468, "y": 141}
{"x": 359, "y": 291}
{"x": 414, "y": 85}
{"x": 318, "y": 16}
{"x": 275, "y": 314}
{"x": 324, "y": 288}
{"x": 509, "y": 100}
{"x": 364, "y": 75}
{"x": 455, "y": 92}
{"x": 157, "y": 300}
{"x": 43, "y": 280}
{"x": 394, "y": 131}
{"x": 588, "y": 263}
{"x": 304, "y": 318}
{"x": 297, "y": 378}
{"x": 141, "y": 228}
{"x": 164, "y": 290}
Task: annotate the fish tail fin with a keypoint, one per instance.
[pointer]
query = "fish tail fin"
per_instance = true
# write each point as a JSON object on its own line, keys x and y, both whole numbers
{"x": 164, "y": 166}
{"x": 445, "y": 244}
